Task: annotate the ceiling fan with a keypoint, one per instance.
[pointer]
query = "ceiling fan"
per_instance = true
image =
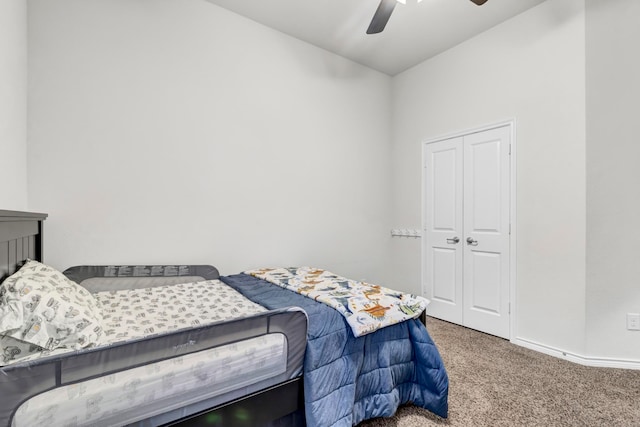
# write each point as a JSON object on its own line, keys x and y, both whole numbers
{"x": 383, "y": 13}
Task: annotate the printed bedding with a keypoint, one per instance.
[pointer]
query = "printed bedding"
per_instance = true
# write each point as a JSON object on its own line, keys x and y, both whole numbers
{"x": 138, "y": 313}
{"x": 366, "y": 307}
{"x": 348, "y": 379}
{"x": 133, "y": 313}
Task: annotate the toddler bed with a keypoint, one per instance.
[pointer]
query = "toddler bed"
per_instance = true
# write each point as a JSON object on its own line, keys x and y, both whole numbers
{"x": 213, "y": 357}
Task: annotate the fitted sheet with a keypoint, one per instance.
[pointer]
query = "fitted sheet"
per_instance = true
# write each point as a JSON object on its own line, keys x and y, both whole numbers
{"x": 134, "y": 313}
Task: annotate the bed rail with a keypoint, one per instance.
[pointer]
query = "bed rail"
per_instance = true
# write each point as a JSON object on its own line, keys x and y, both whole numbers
{"x": 23, "y": 380}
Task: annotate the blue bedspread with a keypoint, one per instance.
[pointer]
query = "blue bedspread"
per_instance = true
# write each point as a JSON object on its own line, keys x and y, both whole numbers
{"x": 347, "y": 379}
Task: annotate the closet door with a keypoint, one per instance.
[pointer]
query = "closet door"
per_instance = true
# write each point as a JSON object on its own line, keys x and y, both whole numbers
{"x": 486, "y": 231}
{"x": 443, "y": 229}
{"x": 466, "y": 252}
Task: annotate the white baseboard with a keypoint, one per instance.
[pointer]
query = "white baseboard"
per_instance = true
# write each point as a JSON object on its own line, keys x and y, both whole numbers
{"x": 599, "y": 362}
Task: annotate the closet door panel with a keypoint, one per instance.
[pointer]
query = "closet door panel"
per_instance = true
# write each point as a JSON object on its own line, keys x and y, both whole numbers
{"x": 486, "y": 231}
{"x": 443, "y": 229}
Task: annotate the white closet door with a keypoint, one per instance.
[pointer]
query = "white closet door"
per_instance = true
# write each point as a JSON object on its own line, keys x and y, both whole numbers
{"x": 466, "y": 251}
{"x": 486, "y": 231}
{"x": 443, "y": 229}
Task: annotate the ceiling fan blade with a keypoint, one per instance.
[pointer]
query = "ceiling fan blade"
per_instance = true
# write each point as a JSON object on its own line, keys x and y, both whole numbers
{"x": 479, "y": 2}
{"x": 381, "y": 17}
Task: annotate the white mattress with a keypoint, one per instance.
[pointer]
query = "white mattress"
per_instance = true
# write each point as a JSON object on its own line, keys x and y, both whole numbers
{"x": 139, "y": 393}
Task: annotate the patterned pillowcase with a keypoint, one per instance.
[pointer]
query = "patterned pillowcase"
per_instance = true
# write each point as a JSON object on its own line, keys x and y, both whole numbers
{"x": 40, "y": 306}
{"x": 12, "y": 349}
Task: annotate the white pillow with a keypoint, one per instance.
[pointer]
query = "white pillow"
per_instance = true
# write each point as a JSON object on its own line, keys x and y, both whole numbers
{"x": 40, "y": 306}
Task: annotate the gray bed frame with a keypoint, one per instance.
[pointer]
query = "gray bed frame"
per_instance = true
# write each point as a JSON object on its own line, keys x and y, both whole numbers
{"x": 21, "y": 235}
{"x": 282, "y": 404}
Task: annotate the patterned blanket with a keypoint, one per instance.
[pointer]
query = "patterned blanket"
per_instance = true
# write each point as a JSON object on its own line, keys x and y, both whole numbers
{"x": 366, "y": 307}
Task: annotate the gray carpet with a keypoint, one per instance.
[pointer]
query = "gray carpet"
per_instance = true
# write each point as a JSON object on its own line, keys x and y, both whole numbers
{"x": 495, "y": 383}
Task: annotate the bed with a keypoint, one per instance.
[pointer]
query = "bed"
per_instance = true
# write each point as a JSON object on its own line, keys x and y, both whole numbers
{"x": 341, "y": 380}
{"x": 256, "y": 358}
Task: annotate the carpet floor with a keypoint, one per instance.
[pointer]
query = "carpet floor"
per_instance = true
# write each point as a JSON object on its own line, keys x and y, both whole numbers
{"x": 495, "y": 383}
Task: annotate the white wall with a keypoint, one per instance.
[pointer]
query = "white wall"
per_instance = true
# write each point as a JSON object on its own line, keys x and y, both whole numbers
{"x": 13, "y": 104}
{"x": 530, "y": 68}
{"x": 613, "y": 177}
{"x": 177, "y": 132}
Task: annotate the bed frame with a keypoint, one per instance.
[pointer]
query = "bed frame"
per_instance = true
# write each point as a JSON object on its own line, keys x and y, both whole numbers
{"x": 21, "y": 238}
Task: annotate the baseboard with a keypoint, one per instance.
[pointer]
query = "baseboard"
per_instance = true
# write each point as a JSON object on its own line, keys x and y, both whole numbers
{"x": 598, "y": 362}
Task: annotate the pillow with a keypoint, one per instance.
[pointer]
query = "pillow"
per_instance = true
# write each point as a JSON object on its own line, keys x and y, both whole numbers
{"x": 40, "y": 306}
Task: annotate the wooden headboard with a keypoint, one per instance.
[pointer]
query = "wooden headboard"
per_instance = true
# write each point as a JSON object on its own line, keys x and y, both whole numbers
{"x": 20, "y": 238}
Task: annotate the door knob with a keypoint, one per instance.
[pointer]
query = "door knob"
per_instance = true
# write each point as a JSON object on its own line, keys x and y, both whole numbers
{"x": 472, "y": 242}
{"x": 453, "y": 241}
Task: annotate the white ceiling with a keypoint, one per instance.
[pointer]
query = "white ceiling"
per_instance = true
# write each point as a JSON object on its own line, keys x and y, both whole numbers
{"x": 415, "y": 32}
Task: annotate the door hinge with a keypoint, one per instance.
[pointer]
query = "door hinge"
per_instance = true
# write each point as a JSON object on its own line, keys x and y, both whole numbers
{"x": 509, "y": 229}
{"x": 509, "y": 149}
{"x": 509, "y": 307}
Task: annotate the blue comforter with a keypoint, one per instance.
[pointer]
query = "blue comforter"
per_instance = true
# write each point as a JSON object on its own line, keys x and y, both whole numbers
{"x": 347, "y": 379}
